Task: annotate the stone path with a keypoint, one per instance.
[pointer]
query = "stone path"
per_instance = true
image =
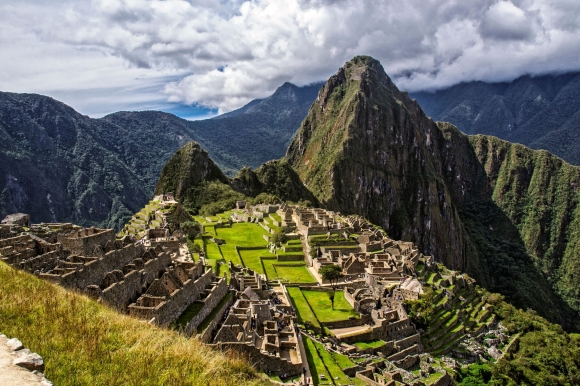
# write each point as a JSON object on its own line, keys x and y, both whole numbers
{"x": 12, "y": 375}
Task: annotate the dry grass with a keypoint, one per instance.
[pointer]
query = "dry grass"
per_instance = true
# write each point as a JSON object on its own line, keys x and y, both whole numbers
{"x": 85, "y": 343}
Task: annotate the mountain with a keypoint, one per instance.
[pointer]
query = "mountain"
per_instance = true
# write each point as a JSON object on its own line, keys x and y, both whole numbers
{"x": 504, "y": 213}
{"x": 540, "y": 112}
{"x": 58, "y": 165}
{"x": 195, "y": 180}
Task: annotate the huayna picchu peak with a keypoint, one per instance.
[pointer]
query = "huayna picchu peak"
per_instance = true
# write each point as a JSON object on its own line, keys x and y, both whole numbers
{"x": 383, "y": 249}
{"x": 502, "y": 212}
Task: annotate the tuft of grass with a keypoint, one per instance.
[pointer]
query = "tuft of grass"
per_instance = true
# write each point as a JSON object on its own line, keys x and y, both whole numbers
{"x": 85, "y": 343}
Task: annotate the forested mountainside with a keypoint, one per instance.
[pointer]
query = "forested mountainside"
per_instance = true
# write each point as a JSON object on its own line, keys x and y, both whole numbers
{"x": 504, "y": 213}
{"x": 196, "y": 181}
{"x": 541, "y": 112}
{"x": 58, "y": 165}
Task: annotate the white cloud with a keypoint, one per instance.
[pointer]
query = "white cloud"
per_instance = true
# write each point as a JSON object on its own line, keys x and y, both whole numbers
{"x": 223, "y": 54}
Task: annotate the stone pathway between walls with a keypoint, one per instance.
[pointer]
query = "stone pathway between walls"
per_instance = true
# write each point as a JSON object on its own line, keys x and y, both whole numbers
{"x": 29, "y": 370}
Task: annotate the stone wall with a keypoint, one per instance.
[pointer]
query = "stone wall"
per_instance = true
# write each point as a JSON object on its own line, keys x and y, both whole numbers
{"x": 210, "y": 302}
{"x": 119, "y": 295}
{"x": 408, "y": 342}
{"x": 205, "y": 335}
{"x": 364, "y": 319}
{"x": 179, "y": 300}
{"x": 407, "y": 362}
{"x": 85, "y": 241}
{"x": 93, "y": 272}
{"x": 263, "y": 362}
{"x": 290, "y": 257}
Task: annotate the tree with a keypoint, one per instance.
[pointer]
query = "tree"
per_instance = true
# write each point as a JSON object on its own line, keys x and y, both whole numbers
{"x": 279, "y": 238}
{"x": 332, "y": 273}
{"x": 191, "y": 229}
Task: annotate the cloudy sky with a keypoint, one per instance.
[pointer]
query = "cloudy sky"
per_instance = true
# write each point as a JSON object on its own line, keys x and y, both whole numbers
{"x": 198, "y": 58}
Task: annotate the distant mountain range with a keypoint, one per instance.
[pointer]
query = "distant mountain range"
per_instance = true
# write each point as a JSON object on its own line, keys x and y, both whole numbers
{"x": 58, "y": 165}
{"x": 540, "y": 112}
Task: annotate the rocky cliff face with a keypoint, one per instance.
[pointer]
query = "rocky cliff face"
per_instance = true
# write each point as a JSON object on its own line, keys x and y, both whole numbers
{"x": 477, "y": 204}
{"x": 366, "y": 148}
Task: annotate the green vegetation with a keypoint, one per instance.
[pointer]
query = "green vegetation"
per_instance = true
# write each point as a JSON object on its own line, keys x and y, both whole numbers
{"x": 203, "y": 325}
{"x": 191, "y": 229}
{"x": 316, "y": 364}
{"x": 295, "y": 273}
{"x": 370, "y": 344}
{"x": 322, "y": 362}
{"x": 85, "y": 343}
{"x": 514, "y": 226}
{"x": 332, "y": 273}
{"x": 192, "y": 310}
{"x": 303, "y": 310}
{"x": 314, "y": 306}
{"x": 252, "y": 258}
{"x": 243, "y": 234}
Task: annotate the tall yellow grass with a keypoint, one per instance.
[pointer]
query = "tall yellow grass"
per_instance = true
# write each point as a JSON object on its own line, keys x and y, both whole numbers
{"x": 86, "y": 343}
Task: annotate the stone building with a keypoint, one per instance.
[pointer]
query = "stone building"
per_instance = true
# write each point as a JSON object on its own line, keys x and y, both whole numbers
{"x": 261, "y": 329}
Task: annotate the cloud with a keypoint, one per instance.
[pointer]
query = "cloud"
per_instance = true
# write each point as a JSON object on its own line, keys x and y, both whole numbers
{"x": 505, "y": 21}
{"x": 222, "y": 54}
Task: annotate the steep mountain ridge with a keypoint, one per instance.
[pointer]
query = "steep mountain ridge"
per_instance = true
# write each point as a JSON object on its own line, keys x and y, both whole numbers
{"x": 55, "y": 167}
{"x": 58, "y": 165}
{"x": 194, "y": 179}
{"x": 540, "y": 112}
{"x": 367, "y": 148}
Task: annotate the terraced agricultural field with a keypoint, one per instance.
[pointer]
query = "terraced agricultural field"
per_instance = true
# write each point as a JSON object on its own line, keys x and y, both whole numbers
{"x": 325, "y": 368}
{"x": 316, "y": 305}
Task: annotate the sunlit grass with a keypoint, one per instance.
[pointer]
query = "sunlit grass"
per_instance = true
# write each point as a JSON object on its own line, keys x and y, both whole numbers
{"x": 85, "y": 343}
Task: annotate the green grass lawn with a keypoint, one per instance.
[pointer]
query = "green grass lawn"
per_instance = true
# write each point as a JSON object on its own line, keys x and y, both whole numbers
{"x": 212, "y": 250}
{"x": 335, "y": 371}
{"x": 243, "y": 234}
{"x": 295, "y": 274}
{"x": 316, "y": 364}
{"x": 303, "y": 310}
{"x": 230, "y": 253}
{"x": 270, "y": 223}
{"x": 370, "y": 344}
{"x": 294, "y": 254}
{"x": 322, "y": 306}
{"x": 342, "y": 360}
{"x": 212, "y": 263}
{"x": 322, "y": 362}
{"x": 251, "y": 258}
{"x": 269, "y": 267}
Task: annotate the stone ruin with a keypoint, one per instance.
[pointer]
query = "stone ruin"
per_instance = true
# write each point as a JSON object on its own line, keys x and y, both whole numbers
{"x": 145, "y": 281}
{"x": 260, "y": 325}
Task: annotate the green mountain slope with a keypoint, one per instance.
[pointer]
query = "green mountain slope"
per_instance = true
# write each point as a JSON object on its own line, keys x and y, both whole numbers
{"x": 539, "y": 112}
{"x": 58, "y": 165}
{"x": 199, "y": 183}
{"x": 367, "y": 148}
